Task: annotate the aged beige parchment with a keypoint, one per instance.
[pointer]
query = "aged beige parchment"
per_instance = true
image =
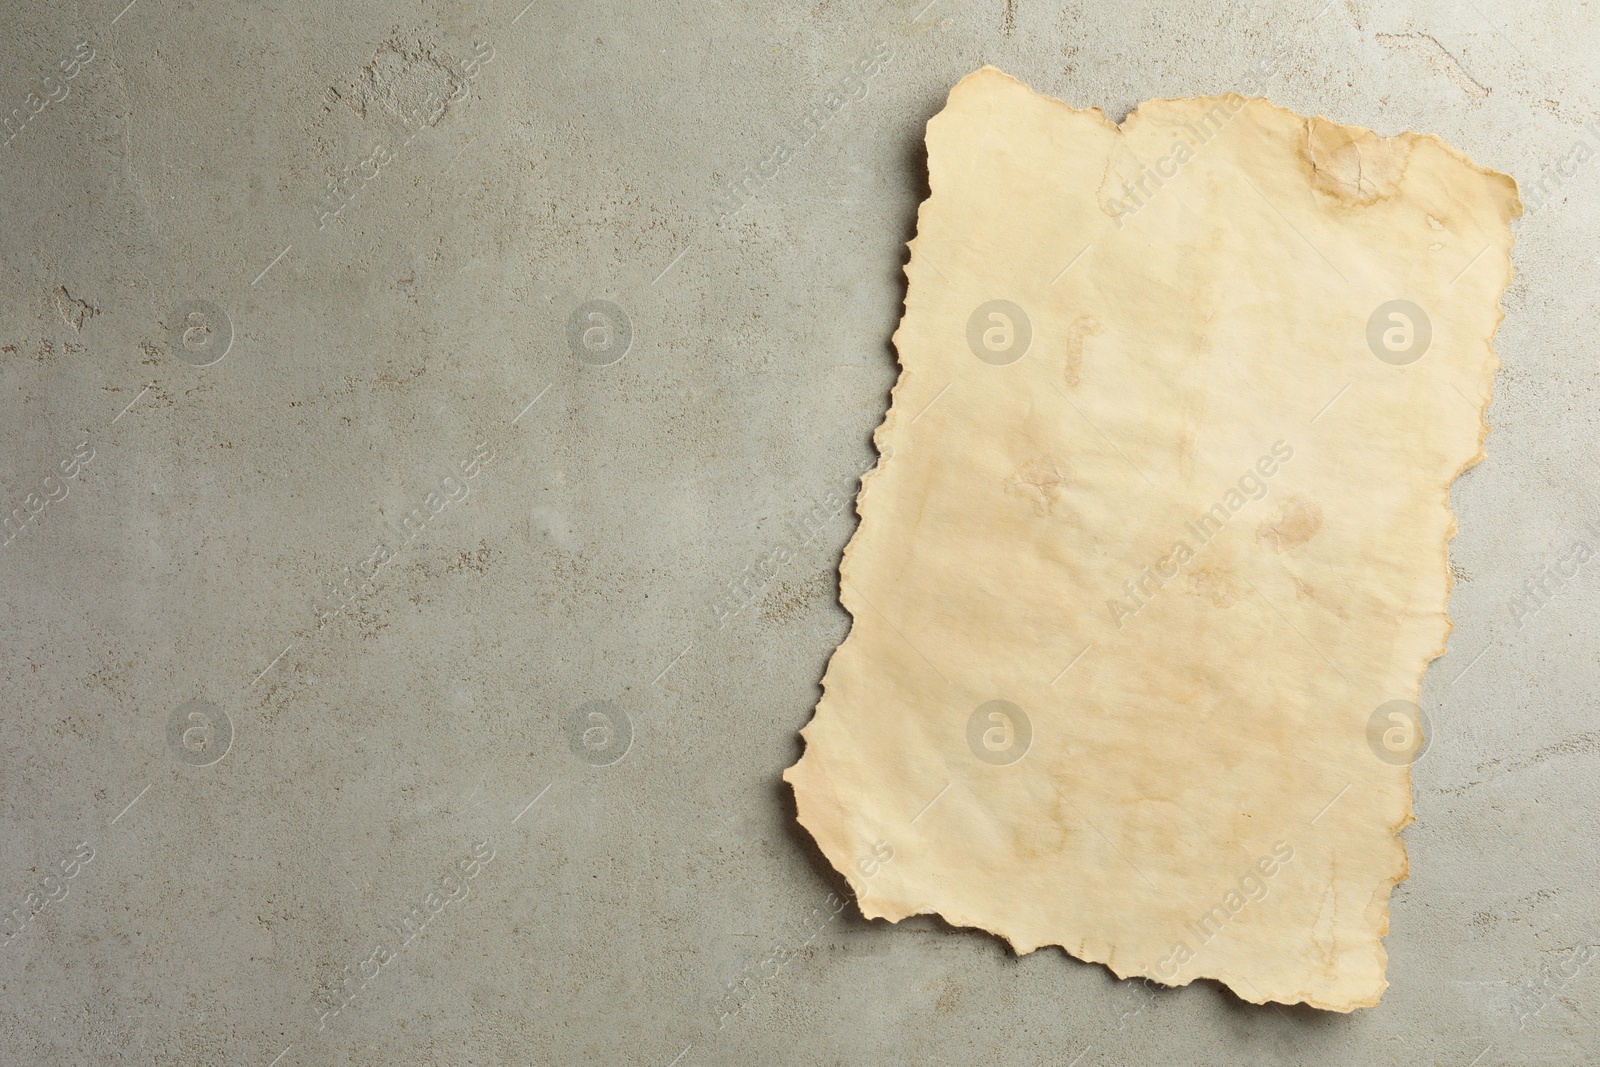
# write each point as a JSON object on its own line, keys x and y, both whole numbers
{"x": 1154, "y": 557}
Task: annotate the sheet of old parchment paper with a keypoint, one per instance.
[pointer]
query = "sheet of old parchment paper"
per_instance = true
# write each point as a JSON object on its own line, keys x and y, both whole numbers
{"x": 1154, "y": 558}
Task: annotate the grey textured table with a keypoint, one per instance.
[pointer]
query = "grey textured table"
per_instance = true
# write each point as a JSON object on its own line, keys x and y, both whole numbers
{"x": 404, "y": 411}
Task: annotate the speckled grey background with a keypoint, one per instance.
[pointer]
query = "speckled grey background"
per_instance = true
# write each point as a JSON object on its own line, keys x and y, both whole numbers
{"x": 646, "y": 898}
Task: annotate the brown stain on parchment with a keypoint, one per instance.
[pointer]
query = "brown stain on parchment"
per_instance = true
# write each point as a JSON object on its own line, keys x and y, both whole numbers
{"x": 1086, "y": 326}
{"x": 1353, "y": 166}
{"x": 1041, "y": 481}
{"x": 1296, "y": 521}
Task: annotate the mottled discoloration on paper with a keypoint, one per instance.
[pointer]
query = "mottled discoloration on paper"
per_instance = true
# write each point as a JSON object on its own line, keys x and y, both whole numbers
{"x": 1155, "y": 557}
